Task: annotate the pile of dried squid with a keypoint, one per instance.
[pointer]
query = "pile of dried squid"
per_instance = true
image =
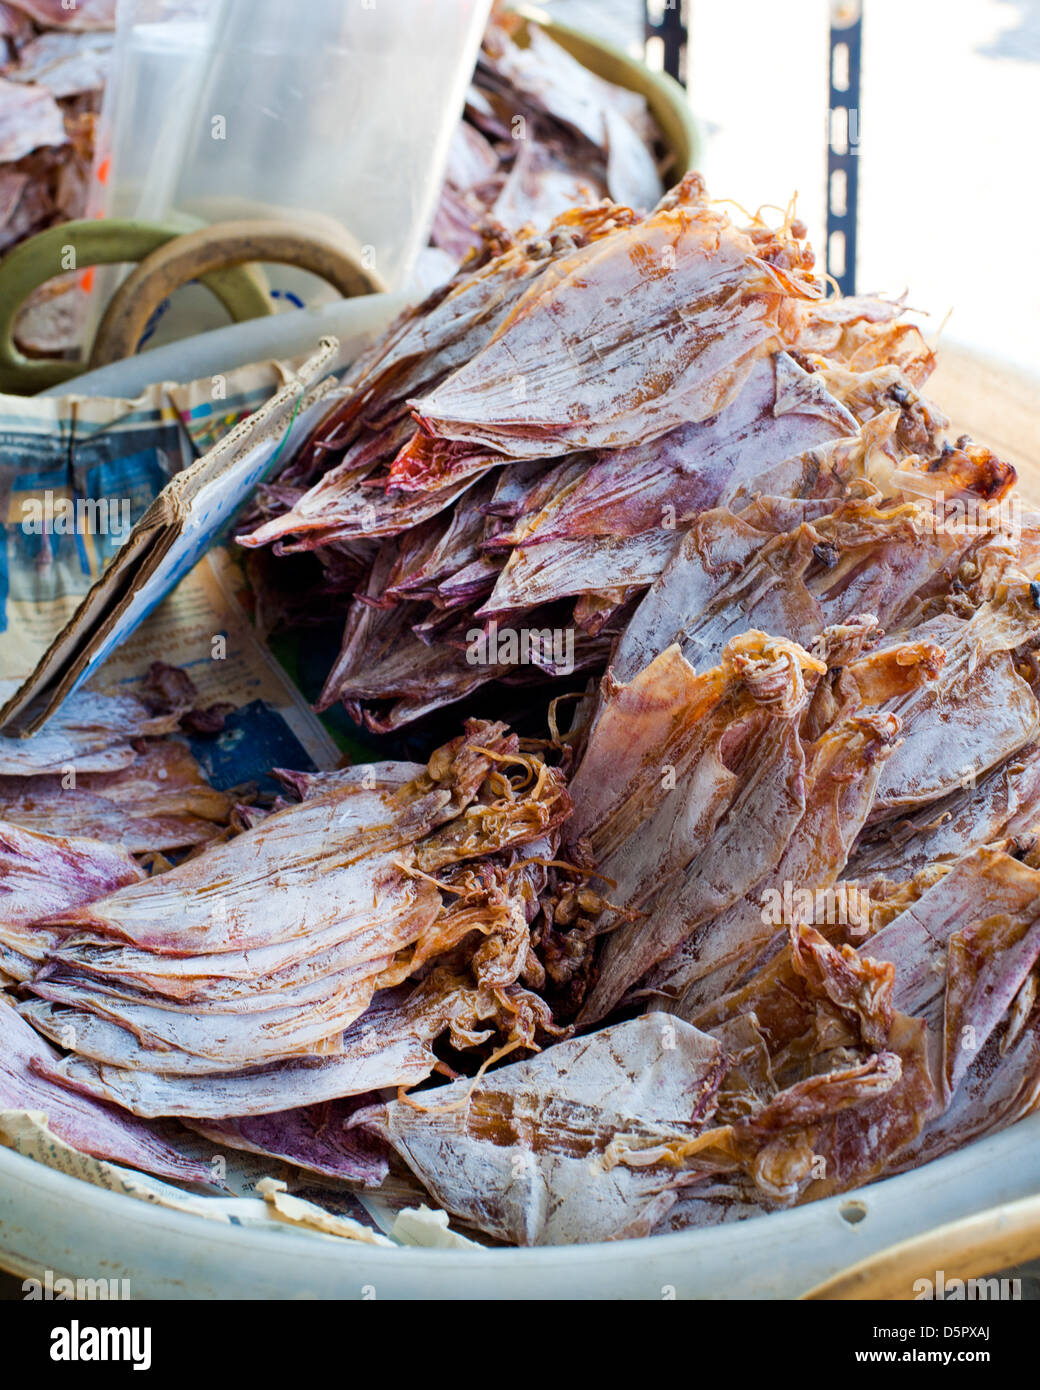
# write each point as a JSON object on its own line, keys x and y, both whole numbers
{"x": 608, "y": 983}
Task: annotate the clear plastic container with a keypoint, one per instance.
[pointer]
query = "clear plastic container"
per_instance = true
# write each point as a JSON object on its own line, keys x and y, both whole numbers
{"x": 332, "y": 114}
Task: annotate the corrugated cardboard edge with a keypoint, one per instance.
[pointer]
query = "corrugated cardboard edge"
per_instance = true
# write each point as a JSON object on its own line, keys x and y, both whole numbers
{"x": 147, "y": 546}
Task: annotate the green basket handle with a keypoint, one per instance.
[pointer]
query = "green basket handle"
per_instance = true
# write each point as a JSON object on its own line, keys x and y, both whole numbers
{"x": 209, "y": 251}
{"x": 241, "y": 289}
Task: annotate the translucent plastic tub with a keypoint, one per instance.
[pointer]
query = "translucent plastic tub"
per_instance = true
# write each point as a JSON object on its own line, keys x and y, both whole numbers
{"x": 334, "y": 115}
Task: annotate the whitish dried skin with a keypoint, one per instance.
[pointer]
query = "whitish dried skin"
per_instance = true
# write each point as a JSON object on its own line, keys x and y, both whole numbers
{"x": 842, "y": 770}
{"x": 427, "y": 344}
{"x": 962, "y": 959}
{"x": 301, "y": 870}
{"x": 359, "y": 511}
{"x": 32, "y": 118}
{"x": 301, "y": 1010}
{"x": 1002, "y": 1085}
{"x": 384, "y": 776}
{"x": 24, "y": 949}
{"x": 299, "y": 988}
{"x": 525, "y": 1154}
{"x": 598, "y": 535}
{"x": 53, "y": 14}
{"x": 959, "y": 958}
{"x": 86, "y": 1125}
{"x": 542, "y": 573}
{"x": 712, "y": 770}
{"x": 780, "y": 414}
{"x": 90, "y": 732}
{"x": 313, "y": 1138}
{"x": 100, "y": 1040}
{"x": 548, "y": 78}
{"x": 198, "y": 980}
{"x": 545, "y": 178}
{"x": 845, "y": 750}
{"x": 1003, "y": 804}
{"x": 67, "y": 65}
{"x": 233, "y": 1039}
{"x": 308, "y": 983}
{"x": 734, "y": 572}
{"x": 622, "y": 521}
{"x": 388, "y": 1046}
{"x": 376, "y": 1062}
{"x": 463, "y": 321}
{"x": 963, "y": 950}
{"x": 161, "y": 801}
{"x": 641, "y": 727}
{"x": 977, "y": 714}
{"x": 746, "y": 845}
{"x": 239, "y": 978}
{"x": 418, "y": 351}
{"x": 660, "y": 323}
{"x": 317, "y": 894}
{"x": 42, "y": 874}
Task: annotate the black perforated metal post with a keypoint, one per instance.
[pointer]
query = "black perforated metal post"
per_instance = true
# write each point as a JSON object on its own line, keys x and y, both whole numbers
{"x": 668, "y": 20}
{"x": 843, "y": 127}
